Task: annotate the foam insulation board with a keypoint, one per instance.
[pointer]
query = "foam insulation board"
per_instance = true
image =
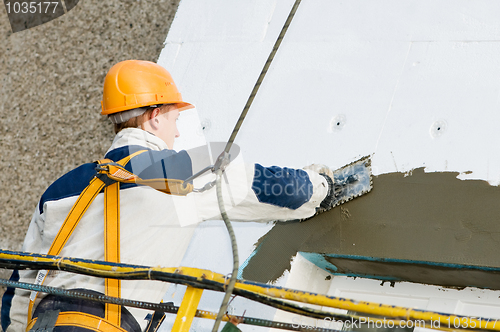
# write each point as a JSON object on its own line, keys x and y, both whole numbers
{"x": 412, "y": 83}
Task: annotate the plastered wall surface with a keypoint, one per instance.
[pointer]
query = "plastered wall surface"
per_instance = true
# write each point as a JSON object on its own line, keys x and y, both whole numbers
{"x": 427, "y": 217}
{"x": 51, "y": 80}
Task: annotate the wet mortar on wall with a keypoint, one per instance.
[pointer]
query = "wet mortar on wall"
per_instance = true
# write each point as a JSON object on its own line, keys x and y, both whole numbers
{"x": 420, "y": 217}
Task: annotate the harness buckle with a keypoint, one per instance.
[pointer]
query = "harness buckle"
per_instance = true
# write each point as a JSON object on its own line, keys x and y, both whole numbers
{"x": 105, "y": 166}
{"x": 104, "y": 178}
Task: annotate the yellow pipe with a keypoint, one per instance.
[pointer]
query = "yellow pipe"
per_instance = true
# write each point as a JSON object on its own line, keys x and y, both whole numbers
{"x": 449, "y": 321}
{"x": 187, "y": 310}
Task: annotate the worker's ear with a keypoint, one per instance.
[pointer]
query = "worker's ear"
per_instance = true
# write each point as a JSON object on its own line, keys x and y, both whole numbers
{"x": 154, "y": 119}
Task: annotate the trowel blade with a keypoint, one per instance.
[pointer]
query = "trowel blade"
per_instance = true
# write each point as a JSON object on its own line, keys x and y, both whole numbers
{"x": 352, "y": 180}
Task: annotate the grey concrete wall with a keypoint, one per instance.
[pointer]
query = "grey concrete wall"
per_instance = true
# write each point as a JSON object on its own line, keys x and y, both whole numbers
{"x": 50, "y": 91}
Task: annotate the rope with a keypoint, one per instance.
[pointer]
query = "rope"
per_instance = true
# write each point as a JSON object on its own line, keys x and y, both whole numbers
{"x": 234, "y": 246}
{"x": 229, "y": 144}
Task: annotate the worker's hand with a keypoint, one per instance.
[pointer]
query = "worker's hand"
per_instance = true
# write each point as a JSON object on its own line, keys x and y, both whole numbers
{"x": 321, "y": 169}
{"x": 324, "y": 170}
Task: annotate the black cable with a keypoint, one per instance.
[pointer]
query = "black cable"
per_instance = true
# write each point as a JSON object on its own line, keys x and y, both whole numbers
{"x": 152, "y": 306}
{"x": 78, "y": 265}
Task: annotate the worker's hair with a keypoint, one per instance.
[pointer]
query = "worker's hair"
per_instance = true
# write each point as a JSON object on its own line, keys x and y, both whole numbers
{"x": 139, "y": 120}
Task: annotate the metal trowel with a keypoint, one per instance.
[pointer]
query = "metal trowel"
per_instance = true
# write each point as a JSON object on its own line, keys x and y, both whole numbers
{"x": 352, "y": 180}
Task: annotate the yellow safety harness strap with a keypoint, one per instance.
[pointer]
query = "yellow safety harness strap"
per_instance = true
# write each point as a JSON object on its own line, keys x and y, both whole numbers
{"x": 112, "y": 247}
{"x": 78, "y": 319}
{"x": 75, "y": 215}
{"x": 81, "y": 205}
{"x": 112, "y": 312}
{"x": 79, "y": 208}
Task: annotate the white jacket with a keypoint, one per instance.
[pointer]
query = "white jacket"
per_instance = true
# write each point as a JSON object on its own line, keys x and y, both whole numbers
{"x": 156, "y": 228}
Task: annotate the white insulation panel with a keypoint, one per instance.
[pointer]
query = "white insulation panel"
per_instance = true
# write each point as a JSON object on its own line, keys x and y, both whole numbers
{"x": 414, "y": 83}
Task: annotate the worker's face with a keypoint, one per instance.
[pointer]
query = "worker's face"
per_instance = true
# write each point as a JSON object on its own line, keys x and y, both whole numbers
{"x": 167, "y": 126}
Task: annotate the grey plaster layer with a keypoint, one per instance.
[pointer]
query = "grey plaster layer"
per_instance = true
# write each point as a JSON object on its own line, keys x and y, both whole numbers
{"x": 436, "y": 274}
{"x": 51, "y": 79}
{"x": 431, "y": 217}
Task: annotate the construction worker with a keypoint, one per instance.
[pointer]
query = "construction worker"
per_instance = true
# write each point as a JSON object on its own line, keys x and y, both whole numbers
{"x": 152, "y": 224}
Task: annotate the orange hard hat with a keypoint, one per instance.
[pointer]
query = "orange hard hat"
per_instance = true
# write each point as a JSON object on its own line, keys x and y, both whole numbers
{"x": 134, "y": 83}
